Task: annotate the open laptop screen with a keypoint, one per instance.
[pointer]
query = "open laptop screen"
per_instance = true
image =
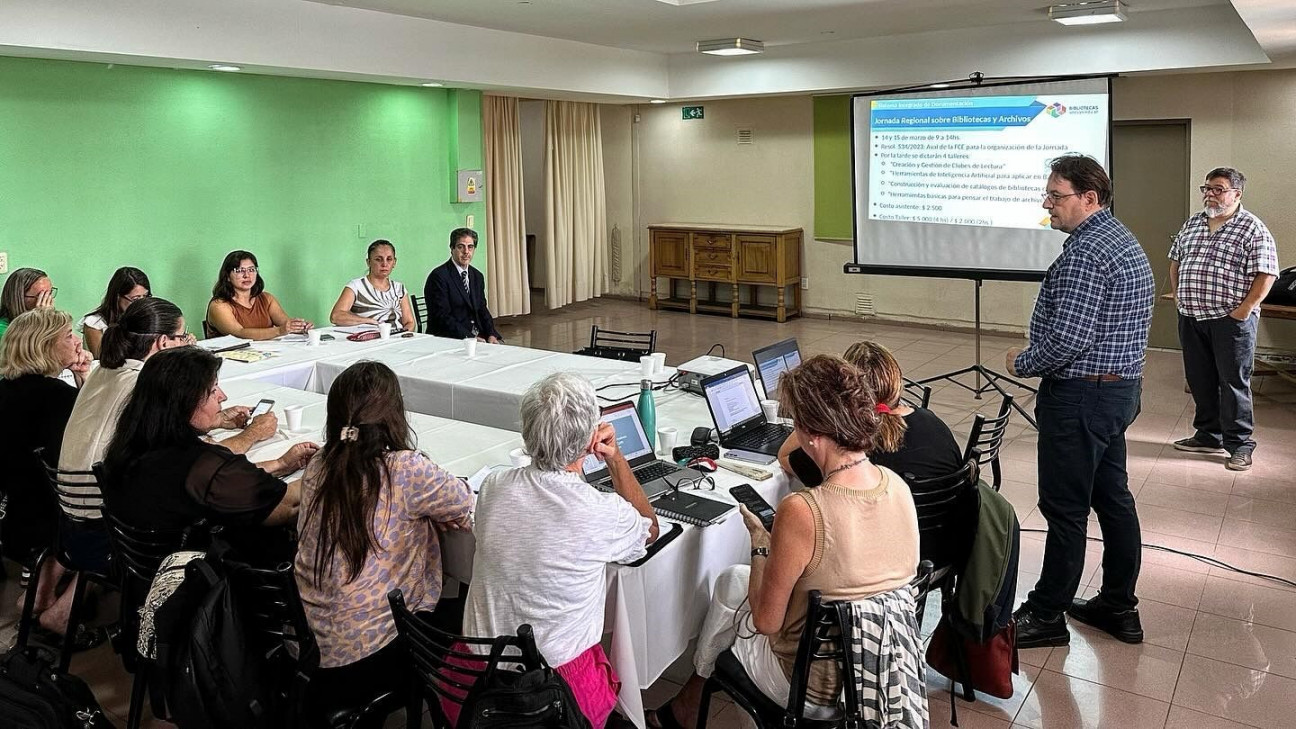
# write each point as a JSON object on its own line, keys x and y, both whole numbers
{"x": 732, "y": 398}
{"x": 630, "y": 435}
{"x": 773, "y": 361}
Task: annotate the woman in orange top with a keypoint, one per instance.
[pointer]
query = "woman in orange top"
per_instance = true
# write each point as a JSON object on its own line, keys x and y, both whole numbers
{"x": 242, "y": 307}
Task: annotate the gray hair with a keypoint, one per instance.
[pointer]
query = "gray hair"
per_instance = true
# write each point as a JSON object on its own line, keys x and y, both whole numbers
{"x": 559, "y": 414}
{"x": 1236, "y": 179}
{"x": 13, "y": 297}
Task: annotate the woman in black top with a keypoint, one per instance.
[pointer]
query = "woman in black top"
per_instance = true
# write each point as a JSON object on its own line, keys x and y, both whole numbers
{"x": 161, "y": 473}
{"x": 37, "y": 347}
{"x": 913, "y": 442}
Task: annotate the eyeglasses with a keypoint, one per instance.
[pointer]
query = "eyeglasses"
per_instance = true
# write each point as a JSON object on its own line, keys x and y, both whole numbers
{"x": 462, "y": 247}
{"x": 184, "y": 336}
{"x": 1057, "y": 197}
{"x": 133, "y": 299}
{"x": 249, "y": 269}
{"x": 53, "y": 292}
{"x": 692, "y": 483}
{"x": 1216, "y": 191}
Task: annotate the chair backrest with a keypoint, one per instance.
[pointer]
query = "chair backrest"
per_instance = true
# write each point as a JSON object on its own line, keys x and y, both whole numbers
{"x": 917, "y": 395}
{"x": 941, "y": 503}
{"x": 821, "y": 640}
{"x": 79, "y": 499}
{"x": 625, "y": 346}
{"x": 442, "y": 665}
{"x": 986, "y": 438}
{"x": 420, "y": 312}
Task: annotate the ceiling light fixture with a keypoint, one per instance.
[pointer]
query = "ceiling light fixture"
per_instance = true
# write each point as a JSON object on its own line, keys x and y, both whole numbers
{"x": 657, "y": 101}
{"x": 224, "y": 67}
{"x": 730, "y": 47}
{"x": 938, "y": 86}
{"x": 1088, "y": 13}
{"x": 432, "y": 84}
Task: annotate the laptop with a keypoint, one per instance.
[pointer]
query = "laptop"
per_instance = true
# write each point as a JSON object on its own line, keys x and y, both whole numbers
{"x": 773, "y": 361}
{"x": 656, "y": 476}
{"x": 736, "y": 410}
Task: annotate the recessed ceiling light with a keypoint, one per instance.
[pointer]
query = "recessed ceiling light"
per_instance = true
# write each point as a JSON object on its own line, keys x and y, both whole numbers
{"x": 730, "y": 47}
{"x": 432, "y": 84}
{"x": 1088, "y": 13}
{"x": 657, "y": 101}
{"x": 224, "y": 67}
{"x": 938, "y": 86}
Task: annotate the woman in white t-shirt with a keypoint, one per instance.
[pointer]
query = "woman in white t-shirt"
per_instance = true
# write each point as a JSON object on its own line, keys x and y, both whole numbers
{"x": 127, "y": 285}
{"x": 375, "y": 298}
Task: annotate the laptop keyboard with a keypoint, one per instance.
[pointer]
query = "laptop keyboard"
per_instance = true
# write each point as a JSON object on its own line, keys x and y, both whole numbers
{"x": 762, "y": 436}
{"x": 654, "y": 470}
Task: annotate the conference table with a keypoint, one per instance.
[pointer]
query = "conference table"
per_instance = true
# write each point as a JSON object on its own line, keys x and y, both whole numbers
{"x": 653, "y": 610}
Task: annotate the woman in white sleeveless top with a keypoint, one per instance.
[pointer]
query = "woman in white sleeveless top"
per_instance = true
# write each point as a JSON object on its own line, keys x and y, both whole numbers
{"x": 375, "y": 298}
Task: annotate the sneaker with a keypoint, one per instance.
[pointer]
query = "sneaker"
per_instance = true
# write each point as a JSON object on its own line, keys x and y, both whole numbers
{"x": 1123, "y": 625}
{"x": 1193, "y": 445}
{"x": 1240, "y": 460}
{"x": 1036, "y": 632}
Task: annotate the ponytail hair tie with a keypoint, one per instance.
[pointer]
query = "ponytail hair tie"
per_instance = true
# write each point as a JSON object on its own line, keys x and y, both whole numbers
{"x": 883, "y": 408}
{"x": 349, "y": 432}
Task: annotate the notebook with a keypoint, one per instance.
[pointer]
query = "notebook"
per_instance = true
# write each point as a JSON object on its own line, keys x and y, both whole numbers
{"x": 691, "y": 507}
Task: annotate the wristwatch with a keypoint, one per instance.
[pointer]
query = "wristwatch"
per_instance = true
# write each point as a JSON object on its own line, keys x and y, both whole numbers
{"x": 760, "y": 552}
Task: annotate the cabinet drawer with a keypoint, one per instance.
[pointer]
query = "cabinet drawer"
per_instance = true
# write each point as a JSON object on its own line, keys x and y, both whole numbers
{"x": 713, "y": 257}
{"x": 713, "y": 273}
{"x": 711, "y": 240}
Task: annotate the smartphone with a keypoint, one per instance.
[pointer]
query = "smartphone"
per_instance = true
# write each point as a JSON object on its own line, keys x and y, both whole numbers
{"x": 762, "y": 459}
{"x": 262, "y": 408}
{"x": 747, "y": 496}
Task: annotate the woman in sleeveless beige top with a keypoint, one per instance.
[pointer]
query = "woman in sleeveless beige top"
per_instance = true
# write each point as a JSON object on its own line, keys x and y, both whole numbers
{"x": 854, "y": 536}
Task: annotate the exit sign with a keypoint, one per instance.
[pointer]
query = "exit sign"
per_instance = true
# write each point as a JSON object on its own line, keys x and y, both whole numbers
{"x": 692, "y": 112}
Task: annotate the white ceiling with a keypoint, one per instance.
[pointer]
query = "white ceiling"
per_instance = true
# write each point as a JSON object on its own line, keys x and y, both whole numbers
{"x": 660, "y": 26}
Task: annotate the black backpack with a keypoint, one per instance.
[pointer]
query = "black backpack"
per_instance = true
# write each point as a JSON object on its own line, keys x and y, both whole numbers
{"x": 1283, "y": 292}
{"x": 211, "y": 675}
{"x": 33, "y": 695}
{"x": 535, "y": 699}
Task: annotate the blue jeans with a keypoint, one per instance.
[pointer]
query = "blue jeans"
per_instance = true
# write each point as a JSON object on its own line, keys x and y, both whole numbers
{"x": 1081, "y": 467}
{"x": 1218, "y": 357}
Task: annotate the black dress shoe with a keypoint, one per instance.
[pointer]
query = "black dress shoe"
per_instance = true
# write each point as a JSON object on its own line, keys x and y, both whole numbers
{"x": 1123, "y": 625}
{"x": 1036, "y": 632}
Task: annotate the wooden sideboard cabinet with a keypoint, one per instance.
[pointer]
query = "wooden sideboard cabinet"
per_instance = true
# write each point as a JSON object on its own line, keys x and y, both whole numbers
{"x": 714, "y": 256}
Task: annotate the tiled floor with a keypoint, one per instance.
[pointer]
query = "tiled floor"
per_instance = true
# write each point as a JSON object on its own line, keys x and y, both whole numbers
{"x": 1221, "y": 646}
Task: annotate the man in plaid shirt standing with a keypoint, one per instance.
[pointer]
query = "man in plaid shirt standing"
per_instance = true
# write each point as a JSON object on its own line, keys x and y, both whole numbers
{"x": 1087, "y": 341}
{"x": 1222, "y": 264}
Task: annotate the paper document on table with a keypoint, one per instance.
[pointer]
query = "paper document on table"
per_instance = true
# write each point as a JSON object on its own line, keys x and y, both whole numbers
{"x": 245, "y": 355}
{"x": 356, "y": 328}
{"x": 292, "y": 338}
{"x": 221, "y": 344}
{"x": 475, "y": 481}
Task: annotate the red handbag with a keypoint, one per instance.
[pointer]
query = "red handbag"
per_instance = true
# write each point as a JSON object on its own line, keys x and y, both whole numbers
{"x": 990, "y": 665}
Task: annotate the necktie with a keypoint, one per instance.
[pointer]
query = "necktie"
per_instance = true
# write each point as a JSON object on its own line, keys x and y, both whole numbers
{"x": 463, "y": 276}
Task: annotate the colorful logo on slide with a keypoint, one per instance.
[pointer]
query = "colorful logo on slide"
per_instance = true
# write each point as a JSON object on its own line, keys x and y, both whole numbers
{"x": 1055, "y": 110}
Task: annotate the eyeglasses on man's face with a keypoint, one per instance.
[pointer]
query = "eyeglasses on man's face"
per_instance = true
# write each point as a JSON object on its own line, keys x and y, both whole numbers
{"x": 1057, "y": 197}
{"x": 1214, "y": 191}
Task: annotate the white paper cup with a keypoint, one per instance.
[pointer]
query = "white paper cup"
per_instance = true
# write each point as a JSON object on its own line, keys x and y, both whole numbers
{"x": 646, "y": 366}
{"x": 659, "y": 362}
{"x": 666, "y": 439}
{"x": 313, "y": 338}
{"x": 518, "y": 457}
{"x": 293, "y": 416}
{"x": 470, "y": 346}
{"x": 384, "y": 330}
{"x": 771, "y": 410}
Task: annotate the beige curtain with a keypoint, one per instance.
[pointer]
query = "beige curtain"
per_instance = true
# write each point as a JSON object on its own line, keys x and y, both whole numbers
{"x": 575, "y": 204}
{"x": 508, "y": 292}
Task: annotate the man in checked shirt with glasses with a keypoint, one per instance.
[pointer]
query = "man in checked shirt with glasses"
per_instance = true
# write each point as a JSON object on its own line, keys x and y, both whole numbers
{"x": 1087, "y": 337}
{"x": 1222, "y": 264}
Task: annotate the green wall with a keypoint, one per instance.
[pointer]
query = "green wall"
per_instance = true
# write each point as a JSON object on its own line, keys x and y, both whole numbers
{"x": 833, "y": 203}
{"x": 168, "y": 170}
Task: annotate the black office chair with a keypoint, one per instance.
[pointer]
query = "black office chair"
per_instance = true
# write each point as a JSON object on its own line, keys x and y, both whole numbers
{"x": 946, "y": 507}
{"x": 624, "y": 346}
{"x": 70, "y": 494}
{"x": 915, "y": 394}
{"x": 208, "y": 331}
{"x": 822, "y": 640}
{"x": 420, "y": 313}
{"x": 986, "y": 438}
{"x": 441, "y": 666}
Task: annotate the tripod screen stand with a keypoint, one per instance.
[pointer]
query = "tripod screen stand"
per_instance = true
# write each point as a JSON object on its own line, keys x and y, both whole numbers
{"x": 980, "y": 372}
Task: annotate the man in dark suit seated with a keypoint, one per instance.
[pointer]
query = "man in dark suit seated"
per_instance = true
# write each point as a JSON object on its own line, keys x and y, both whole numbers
{"x": 456, "y": 294}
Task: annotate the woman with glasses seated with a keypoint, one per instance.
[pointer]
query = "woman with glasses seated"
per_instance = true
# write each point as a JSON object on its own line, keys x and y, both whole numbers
{"x": 163, "y": 473}
{"x": 241, "y": 306}
{"x": 39, "y": 345}
{"x": 126, "y": 286}
{"x": 372, "y": 506}
{"x": 25, "y": 289}
{"x": 545, "y": 539}
{"x": 375, "y": 297}
{"x": 853, "y": 537}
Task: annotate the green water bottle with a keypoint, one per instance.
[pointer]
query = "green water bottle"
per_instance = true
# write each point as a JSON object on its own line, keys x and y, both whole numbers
{"x": 648, "y": 412}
